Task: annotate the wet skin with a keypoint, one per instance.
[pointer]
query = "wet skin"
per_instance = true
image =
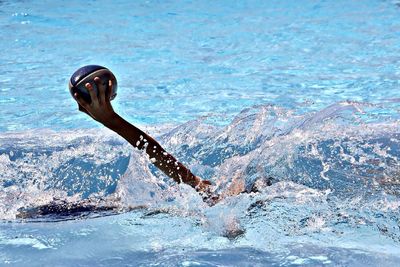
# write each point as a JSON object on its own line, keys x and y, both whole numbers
{"x": 101, "y": 110}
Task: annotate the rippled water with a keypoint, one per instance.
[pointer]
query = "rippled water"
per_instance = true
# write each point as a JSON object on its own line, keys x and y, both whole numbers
{"x": 305, "y": 94}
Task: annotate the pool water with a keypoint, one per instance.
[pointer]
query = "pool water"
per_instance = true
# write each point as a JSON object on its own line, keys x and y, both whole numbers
{"x": 305, "y": 92}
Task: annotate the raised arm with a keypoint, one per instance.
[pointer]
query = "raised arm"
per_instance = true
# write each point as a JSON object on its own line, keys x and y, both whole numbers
{"x": 101, "y": 110}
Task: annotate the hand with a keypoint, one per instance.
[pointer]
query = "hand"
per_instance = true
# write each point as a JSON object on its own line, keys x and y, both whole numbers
{"x": 100, "y": 108}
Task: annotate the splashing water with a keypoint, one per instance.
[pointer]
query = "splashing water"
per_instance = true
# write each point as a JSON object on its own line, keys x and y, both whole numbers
{"x": 334, "y": 183}
{"x": 319, "y": 139}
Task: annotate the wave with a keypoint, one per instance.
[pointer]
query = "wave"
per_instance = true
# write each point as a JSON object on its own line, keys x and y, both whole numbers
{"x": 324, "y": 169}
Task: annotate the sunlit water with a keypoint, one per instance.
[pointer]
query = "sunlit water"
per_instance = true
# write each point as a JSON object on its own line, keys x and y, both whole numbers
{"x": 305, "y": 92}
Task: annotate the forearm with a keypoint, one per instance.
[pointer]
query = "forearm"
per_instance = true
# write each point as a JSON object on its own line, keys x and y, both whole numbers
{"x": 158, "y": 156}
{"x": 101, "y": 110}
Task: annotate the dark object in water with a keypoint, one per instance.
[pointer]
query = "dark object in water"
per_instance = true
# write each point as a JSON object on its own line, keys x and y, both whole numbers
{"x": 261, "y": 183}
{"x": 233, "y": 234}
{"x": 61, "y": 209}
{"x": 64, "y": 210}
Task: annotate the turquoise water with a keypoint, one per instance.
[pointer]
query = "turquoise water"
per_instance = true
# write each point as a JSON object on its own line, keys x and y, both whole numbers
{"x": 306, "y": 92}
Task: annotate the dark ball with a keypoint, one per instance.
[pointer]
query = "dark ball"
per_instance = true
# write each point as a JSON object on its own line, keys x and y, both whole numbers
{"x": 87, "y": 74}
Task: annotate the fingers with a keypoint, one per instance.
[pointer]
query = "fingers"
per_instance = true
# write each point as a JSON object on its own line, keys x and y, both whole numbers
{"x": 102, "y": 89}
{"x": 109, "y": 90}
{"x": 92, "y": 93}
{"x": 81, "y": 102}
{"x": 82, "y": 109}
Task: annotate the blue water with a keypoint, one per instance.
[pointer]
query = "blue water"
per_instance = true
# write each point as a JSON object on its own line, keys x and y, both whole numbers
{"x": 306, "y": 92}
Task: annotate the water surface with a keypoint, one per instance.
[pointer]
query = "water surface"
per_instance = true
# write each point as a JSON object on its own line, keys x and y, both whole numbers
{"x": 305, "y": 92}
